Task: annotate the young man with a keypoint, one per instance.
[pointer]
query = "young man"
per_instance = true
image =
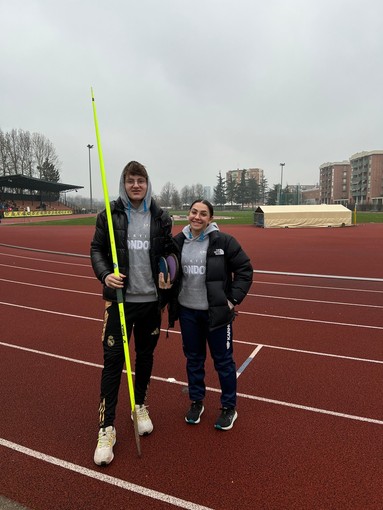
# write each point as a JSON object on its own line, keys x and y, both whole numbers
{"x": 142, "y": 235}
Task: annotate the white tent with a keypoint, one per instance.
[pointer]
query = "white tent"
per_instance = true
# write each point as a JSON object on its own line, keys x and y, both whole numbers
{"x": 294, "y": 216}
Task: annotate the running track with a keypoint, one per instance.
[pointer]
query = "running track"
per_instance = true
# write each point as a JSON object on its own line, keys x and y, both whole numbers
{"x": 309, "y": 353}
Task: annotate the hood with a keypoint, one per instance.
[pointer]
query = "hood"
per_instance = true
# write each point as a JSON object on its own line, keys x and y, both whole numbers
{"x": 145, "y": 204}
{"x": 212, "y": 227}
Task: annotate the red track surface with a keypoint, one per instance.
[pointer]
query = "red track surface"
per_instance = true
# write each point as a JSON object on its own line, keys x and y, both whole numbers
{"x": 309, "y": 432}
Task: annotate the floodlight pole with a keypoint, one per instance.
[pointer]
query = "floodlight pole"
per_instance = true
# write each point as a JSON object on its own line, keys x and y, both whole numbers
{"x": 280, "y": 189}
{"x": 90, "y": 178}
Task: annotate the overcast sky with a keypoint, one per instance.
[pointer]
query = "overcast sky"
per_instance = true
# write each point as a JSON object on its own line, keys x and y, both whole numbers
{"x": 193, "y": 87}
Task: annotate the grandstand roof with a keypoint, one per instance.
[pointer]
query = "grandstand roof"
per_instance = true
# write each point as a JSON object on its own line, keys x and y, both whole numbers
{"x": 31, "y": 183}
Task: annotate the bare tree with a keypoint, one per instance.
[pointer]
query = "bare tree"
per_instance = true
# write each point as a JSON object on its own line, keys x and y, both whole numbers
{"x": 12, "y": 148}
{"x": 166, "y": 194}
{"x": 43, "y": 150}
{"x": 186, "y": 195}
{"x": 4, "y": 156}
{"x": 25, "y": 154}
{"x": 198, "y": 191}
{"x": 176, "y": 200}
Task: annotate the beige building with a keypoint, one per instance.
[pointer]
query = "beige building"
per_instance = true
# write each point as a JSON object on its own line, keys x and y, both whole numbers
{"x": 334, "y": 183}
{"x": 251, "y": 173}
{"x": 367, "y": 178}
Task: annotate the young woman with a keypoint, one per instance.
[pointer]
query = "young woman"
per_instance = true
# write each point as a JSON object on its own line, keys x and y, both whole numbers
{"x": 216, "y": 274}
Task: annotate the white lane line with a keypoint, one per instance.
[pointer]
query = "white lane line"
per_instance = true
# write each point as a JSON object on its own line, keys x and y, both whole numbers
{"x": 218, "y": 390}
{"x": 45, "y": 251}
{"x": 96, "y": 475}
{"x": 303, "y": 351}
{"x": 249, "y": 360}
{"x": 251, "y": 295}
{"x": 330, "y": 276}
{"x": 51, "y": 312}
{"x": 311, "y": 409}
{"x": 315, "y": 353}
{"x": 52, "y": 288}
{"x": 283, "y": 273}
{"x": 45, "y": 260}
{"x": 242, "y": 313}
{"x": 346, "y": 289}
{"x": 9, "y": 266}
{"x": 51, "y": 355}
{"x": 311, "y": 320}
{"x": 340, "y": 303}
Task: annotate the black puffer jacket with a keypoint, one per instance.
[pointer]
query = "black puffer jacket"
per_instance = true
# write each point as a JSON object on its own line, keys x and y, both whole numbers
{"x": 161, "y": 244}
{"x": 228, "y": 277}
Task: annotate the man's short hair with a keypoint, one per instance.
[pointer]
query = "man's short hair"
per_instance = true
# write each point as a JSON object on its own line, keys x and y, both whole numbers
{"x": 135, "y": 168}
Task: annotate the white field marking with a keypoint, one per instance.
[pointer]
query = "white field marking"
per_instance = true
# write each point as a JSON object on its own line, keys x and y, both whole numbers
{"x": 51, "y": 355}
{"x": 310, "y": 409}
{"x": 254, "y": 271}
{"x": 311, "y": 320}
{"x": 51, "y": 311}
{"x": 45, "y": 260}
{"x": 345, "y": 289}
{"x": 314, "y": 301}
{"x": 249, "y": 360}
{"x": 242, "y": 313}
{"x": 82, "y": 362}
{"x": 252, "y": 295}
{"x": 330, "y": 276}
{"x": 49, "y": 272}
{"x": 218, "y": 390}
{"x": 52, "y": 288}
{"x": 315, "y": 353}
{"x": 101, "y": 477}
{"x": 303, "y": 351}
{"x": 45, "y": 251}
{"x": 299, "y": 351}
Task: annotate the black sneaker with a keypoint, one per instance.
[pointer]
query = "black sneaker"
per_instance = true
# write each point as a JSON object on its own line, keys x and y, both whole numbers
{"x": 226, "y": 419}
{"x": 194, "y": 414}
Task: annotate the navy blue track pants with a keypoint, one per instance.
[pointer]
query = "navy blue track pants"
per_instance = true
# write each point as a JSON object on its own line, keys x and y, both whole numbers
{"x": 195, "y": 334}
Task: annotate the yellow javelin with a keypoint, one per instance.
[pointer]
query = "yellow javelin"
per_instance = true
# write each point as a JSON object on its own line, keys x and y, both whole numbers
{"x": 116, "y": 271}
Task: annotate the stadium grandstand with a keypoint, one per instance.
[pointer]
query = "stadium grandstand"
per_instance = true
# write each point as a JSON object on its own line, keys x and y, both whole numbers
{"x": 21, "y": 195}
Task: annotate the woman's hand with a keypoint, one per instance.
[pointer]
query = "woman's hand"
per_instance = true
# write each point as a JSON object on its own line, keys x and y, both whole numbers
{"x": 161, "y": 282}
{"x": 230, "y": 304}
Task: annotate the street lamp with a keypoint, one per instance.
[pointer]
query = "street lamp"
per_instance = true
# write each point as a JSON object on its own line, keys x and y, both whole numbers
{"x": 90, "y": 178}
{"x": 280, "y": 189}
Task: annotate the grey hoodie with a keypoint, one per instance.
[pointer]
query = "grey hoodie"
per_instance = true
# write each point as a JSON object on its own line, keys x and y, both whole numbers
{"x": 141, "y": 287}
{"x": 193, "y": 292}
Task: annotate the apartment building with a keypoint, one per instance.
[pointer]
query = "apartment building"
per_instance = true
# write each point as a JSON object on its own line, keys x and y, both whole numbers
{"x": 251, "y": 173}
{"x": 334, "y": 183}
{"x": 367, "y": 178}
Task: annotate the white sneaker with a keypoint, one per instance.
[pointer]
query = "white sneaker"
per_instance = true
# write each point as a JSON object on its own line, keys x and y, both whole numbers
{"x": 103, "y": 454}
{"x": 145, "y": 425}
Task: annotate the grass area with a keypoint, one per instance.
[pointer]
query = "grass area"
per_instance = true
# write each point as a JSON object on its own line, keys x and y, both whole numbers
{"x": 89, "y": 220}
{"x": 369, "y": 217}
{"x": 223, "y": 218}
